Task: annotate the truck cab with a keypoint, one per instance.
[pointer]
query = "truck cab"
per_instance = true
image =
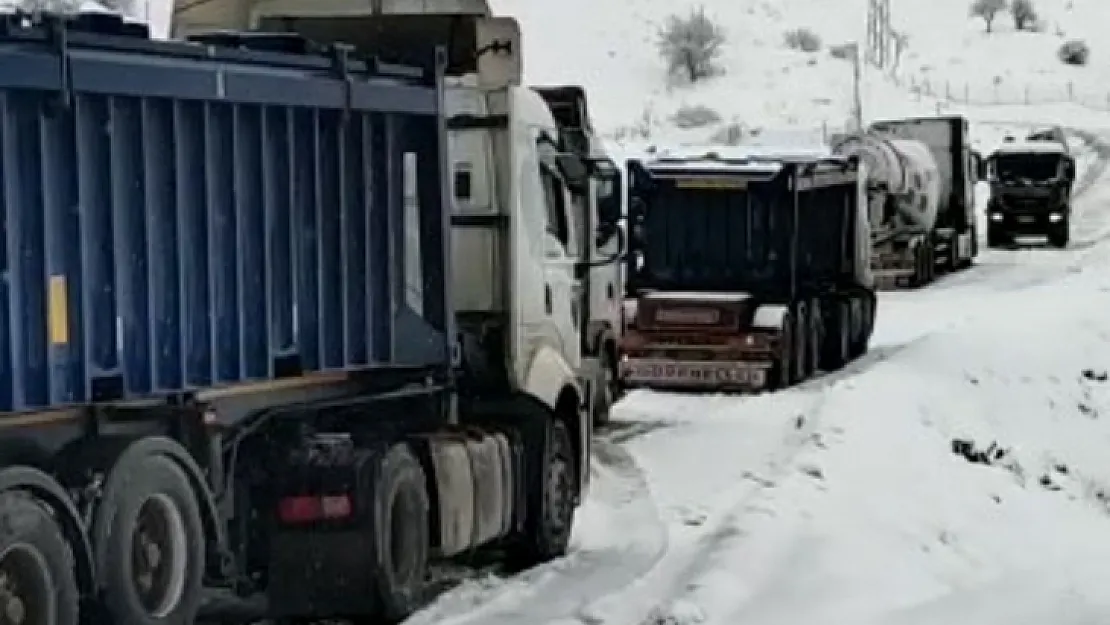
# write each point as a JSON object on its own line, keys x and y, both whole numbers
{"x": 1031, "y": 184}
{"x": 486, "y": 86}
{"x": 598, "y": 215}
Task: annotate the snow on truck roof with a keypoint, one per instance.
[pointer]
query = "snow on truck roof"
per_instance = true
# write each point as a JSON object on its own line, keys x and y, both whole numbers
{"x": 1031, "y": 147}
{"x": 751, "y": 159}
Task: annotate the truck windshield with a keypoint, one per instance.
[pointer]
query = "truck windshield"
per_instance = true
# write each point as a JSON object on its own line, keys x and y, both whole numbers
{"x": 1039, "y": 167}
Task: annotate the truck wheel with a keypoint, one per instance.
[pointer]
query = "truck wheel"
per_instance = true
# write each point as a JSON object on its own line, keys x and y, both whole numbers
{"x": 149, "y": 543}
{"x": 547, "y": 531}
{"x": 996, "y": 237}
{"x": 930, "y": 263}
{"x": 920, "y": 269}
{"x": 801, "y": 343}
{"x": 1059, "y": 234}
{"x": 863, "y": 322}
{"x": 37, "y": 581}
{"x": 779, "y": 375}
{"x": 608, "y": 389}
{"x": 402, "y": 520}
{"x": 838, "y": 333}
{"x": 814, "y": 337}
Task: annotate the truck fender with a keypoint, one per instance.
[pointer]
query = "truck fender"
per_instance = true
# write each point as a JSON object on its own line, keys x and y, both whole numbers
{"x": 47, "y": 489}
{"x": 109, "y": 451}
{"x": 548, "y": 374}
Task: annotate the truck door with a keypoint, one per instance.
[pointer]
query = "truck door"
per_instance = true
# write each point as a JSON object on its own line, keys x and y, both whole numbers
{"x": 562, "y": 293}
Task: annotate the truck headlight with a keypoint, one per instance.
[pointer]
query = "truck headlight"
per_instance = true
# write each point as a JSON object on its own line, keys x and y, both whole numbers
{"x": 996, "y": 216}
{"x": 1055, "y": 217}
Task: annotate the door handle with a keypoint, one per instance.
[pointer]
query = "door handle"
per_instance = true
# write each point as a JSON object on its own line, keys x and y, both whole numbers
{"x": 548, "y": 299}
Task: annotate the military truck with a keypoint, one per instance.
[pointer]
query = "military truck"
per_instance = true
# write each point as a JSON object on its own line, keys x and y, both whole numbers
{"x": 745, "y": 274}
{"x": 1031, "y": 185}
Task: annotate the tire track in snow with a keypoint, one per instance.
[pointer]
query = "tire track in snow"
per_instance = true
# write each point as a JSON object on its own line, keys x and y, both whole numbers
{"x": 686, "y": 559}
{"x": 596, "y": 586}
{"x": 629, "y": 539}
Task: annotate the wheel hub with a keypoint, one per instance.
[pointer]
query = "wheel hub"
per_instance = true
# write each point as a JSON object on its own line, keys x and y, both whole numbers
{"x": 158, "y": 555}
{"x": 26, "y": 588}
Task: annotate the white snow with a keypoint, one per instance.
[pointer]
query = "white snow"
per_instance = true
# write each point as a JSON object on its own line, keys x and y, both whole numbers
{"x": 842, "y": 501}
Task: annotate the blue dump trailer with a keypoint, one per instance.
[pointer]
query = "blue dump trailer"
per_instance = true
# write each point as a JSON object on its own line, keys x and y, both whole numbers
{"x": 745, "y": 274}
{"x": 222, "y": 363}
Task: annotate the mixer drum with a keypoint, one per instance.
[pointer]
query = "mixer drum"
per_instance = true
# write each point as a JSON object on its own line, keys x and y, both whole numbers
{"x": 903, "y": 168}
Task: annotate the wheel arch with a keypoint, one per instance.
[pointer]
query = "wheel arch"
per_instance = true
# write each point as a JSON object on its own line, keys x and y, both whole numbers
{"x": 47, "y": 490}
{"x": 106, "y": 453}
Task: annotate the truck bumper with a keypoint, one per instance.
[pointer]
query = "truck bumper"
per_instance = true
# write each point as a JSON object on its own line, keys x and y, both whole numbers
{"x": 695, "y": 374}
{"x": 1031, "y": 223}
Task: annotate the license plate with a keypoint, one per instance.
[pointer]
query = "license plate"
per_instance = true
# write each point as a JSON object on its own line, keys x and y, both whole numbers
{"x": 697, "y": 373}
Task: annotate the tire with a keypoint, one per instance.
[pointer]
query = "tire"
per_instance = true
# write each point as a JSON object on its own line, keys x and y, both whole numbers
{"x": 930, "y": 263}
{"x": 814, "y": 338}
{"x": 150, "y": 496}
{"x": 608, "y": 389}
{"x": 547, "y": 530}
{"x": 920, "y": 270}
{"x": 799, "y": 371}
{"x": 35, "y": 563}
{"x": 838, "y": 334}
{"x": 401, "y": 516}
{"x": 866, "y": 310}
{"x": 779, "y": 377}
{"x": 996, "y": 237}
{"x": 862, "y": 324}
{"x": 1060, "y": 234}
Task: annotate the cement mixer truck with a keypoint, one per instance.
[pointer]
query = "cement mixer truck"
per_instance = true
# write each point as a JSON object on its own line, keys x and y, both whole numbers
{"x": 920, "y": 177}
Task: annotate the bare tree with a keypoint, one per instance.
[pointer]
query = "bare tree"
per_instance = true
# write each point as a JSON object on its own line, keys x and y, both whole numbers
{"x": 1024, "y": 14}
{"x": 691, "y": 44}
{"x": 988, "y": 10}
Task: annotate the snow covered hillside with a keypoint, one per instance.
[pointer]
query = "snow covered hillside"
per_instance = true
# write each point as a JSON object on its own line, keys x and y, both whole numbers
{"x": 611, "y": 48}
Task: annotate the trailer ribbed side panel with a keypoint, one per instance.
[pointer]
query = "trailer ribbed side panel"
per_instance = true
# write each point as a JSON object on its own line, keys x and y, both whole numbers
{"x": 721, "y": 229}
{"x": 177, "y": 218}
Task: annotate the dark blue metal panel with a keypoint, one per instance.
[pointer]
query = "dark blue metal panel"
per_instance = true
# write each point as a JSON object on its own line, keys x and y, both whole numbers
{"x": 716, "y": 229}
{"x": 174, "y": 221}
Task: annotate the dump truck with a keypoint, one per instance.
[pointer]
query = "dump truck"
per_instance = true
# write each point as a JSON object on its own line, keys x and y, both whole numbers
{"x": 921, "y": 183}
{"x": 1031, "y": 185}
{"x": 745, "y": 274}
{"x": 391, "y": 28}
{"x": 255, "y": 344}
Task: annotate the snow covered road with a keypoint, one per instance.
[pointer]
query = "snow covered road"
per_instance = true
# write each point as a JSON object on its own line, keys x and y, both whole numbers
{"x": 872, "y": 495}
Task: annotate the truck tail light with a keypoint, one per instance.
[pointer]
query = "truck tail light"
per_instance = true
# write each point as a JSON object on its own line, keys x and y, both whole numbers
{"x": 311, "y": 508}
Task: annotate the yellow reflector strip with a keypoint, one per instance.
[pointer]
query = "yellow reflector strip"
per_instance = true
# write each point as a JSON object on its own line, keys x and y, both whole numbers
{"x": 58, "y": 310}
{"x": 710, "y": 183}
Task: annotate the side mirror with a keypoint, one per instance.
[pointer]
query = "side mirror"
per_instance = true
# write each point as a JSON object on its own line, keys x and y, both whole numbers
{"x": 574, "y": 171}
{"x": 978, "y": 166}
{"x": 610, "y": 192}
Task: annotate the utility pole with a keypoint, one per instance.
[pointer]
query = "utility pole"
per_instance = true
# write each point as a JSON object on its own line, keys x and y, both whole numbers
{"x": 880, "y": 34}
{"x": 857, "y": 96}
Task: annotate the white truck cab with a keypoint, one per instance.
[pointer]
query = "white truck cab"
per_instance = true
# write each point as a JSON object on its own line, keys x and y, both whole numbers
{"x": 536, "y": 246}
